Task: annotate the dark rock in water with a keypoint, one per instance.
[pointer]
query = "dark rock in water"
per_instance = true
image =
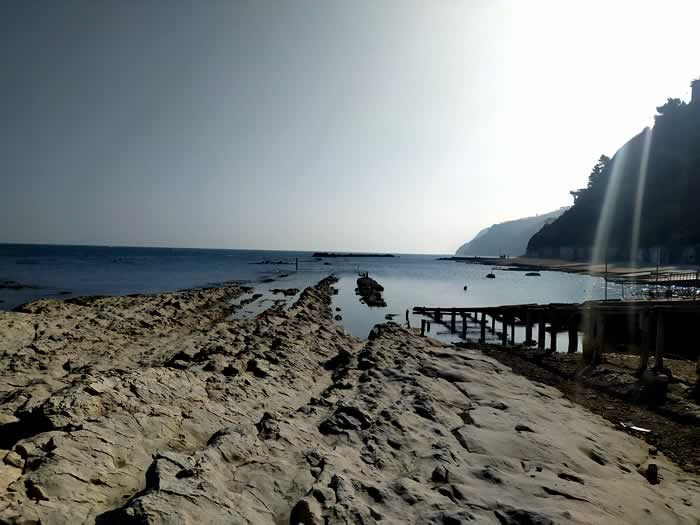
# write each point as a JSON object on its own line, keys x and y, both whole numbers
{"x": 338, "y": 317}
{"x": 370, "y": 291}
{"x": 272, "y": 262}
{"x": 13, "y": 285}
{"x": 533, "y": 274}
{"x": 374, "y": 333}
{"x": 330, "y": 255}
{"x": 287, "y": 292}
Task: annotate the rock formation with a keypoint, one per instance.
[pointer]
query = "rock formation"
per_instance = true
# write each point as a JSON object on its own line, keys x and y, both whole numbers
{"x": 163, "y": 409}
{"x": 370, "y": 291}
{"x": 509, "y": 238}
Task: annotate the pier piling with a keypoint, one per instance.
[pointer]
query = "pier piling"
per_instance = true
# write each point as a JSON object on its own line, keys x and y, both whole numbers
{"x": 482, "y": 339}
{"x": 540, "y": 331}
{"x": 659, "y": 360}
{"x": 528, "y": 328}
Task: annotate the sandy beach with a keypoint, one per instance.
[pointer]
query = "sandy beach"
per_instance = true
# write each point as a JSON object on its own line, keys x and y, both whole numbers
{"x": 166, "y": 409}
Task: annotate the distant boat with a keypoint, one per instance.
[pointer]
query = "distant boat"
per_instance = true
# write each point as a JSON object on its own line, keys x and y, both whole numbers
{"x": 490, "y": 275}
{"x": 533, "y": 274}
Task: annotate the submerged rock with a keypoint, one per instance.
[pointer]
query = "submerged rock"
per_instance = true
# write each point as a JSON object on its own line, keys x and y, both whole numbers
{"x": 370, "y": 291}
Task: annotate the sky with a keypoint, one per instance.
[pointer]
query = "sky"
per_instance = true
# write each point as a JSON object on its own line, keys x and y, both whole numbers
{"x": 364, "y": 125}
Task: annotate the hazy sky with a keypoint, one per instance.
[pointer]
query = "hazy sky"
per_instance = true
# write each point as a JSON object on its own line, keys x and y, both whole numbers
{"x": 373, "y": 125}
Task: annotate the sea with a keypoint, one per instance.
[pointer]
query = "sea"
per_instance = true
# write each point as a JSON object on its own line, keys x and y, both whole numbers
{"x": 30, "y": 272}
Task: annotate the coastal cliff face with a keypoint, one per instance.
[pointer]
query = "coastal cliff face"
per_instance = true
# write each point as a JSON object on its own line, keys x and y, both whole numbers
{"x": 641, "y": 206}
{"x": 163, "y": 409}
{"x": 510, "y": 237}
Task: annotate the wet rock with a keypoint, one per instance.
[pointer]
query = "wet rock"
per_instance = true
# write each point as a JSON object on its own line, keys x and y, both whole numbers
{"x": 287, "y": 292}
{"x": 370, "y": 291}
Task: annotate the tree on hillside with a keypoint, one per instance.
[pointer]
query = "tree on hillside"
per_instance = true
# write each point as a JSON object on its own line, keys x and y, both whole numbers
{"x": 672, "y": 108}
{"x": 596, "y": 173}
{"x": 595, "y": 177}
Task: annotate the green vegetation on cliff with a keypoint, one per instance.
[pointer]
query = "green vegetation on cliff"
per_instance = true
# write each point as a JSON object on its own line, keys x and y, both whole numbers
{"x": 641, "y": 204}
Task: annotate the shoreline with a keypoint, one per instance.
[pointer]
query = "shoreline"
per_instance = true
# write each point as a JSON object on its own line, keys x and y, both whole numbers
{"x": 614, "y": 269}
{"x": 160, "y": 408}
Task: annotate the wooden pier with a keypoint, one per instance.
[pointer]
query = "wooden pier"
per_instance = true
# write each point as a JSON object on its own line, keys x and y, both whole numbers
{"x": 641, "y": 327}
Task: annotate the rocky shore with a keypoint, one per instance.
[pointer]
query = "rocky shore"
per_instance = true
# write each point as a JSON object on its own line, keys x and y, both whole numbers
{"x": 165, "y": 409}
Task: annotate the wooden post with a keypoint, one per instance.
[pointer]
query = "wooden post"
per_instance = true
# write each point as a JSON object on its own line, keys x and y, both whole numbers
{"x": 554, "y": 326}
{"x": 645, "y": 343}
{"x": 504, "y": 334}
{"x": 427, "y": 326}
{"x": 493, "y": 324}
{"x": 296, "y": 263}
{"x": 422, "y": 327}
{"x": 593, "y": 335}
{"x": 453, "y": 321}
{"x": 512, "y": 330}
{"x": 464, "y": 326}
{"x": 573, "y": 334}
{"x": 540, "y": 330}
{"x": 659, "y": 361}
{"x": 438, "y": 315}
{"x": 483, "y": 328}
{"x": 528, "y": 327}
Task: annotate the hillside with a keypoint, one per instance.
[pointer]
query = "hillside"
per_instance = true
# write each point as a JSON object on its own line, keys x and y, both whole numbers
{"x": 640, "y": 205}
{"x": 507, "y": 237}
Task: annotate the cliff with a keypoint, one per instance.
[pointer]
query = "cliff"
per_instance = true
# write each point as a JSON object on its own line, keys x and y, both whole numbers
{"x": 507, "y": 237}
{"x": 639, "y": 206}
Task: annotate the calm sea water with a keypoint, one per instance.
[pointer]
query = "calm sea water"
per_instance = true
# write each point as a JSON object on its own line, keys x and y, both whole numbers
{"x": 409, "y": 280}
